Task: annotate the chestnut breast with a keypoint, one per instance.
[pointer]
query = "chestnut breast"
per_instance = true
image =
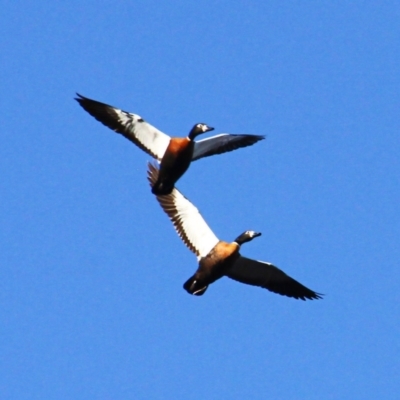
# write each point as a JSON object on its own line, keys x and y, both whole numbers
{"x": 176, "y": 159}
{"x": 218, "y": 261}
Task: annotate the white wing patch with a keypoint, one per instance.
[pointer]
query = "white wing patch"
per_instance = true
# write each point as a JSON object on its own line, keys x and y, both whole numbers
{"x": 186, "y": 218}
{"x": 149, "y": 138}
{"x": 131, "y": 126}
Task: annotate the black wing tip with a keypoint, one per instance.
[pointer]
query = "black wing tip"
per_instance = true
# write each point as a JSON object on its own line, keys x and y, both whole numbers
{"x": 248, "y": 140}
{"x": 259, "y": 137}
{"x": 248, "y": 136}
{"x": 83, "y": 101}
{"x": 94, "y": 107}
{"x": 80, "y": 97}
{"x": 297, "y": 293}
{"x": 312, "y": 296}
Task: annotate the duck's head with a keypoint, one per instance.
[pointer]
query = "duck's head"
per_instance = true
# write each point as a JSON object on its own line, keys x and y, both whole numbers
{"x": 246, "y": 237}
{"x": 198, "y": 129}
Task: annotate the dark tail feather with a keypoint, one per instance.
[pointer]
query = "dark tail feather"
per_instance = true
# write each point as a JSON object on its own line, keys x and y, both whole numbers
{"x": 161, "y": 189}
{"x": 191, "y": 287}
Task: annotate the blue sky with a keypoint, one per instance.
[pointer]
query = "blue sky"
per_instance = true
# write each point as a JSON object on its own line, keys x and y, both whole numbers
{"x": 91, "y": 298}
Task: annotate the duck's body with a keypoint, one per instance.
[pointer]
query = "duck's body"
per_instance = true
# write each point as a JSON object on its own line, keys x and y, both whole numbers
{"x": 175, "y": 154}
{"x": 212, "y": 267}
{"x": 218, "y": 258}
{"x": 176, "y": 160}
{"x": 174, "y": 164}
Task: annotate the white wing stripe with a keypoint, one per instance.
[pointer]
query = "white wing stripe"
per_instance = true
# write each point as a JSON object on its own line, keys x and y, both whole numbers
{"x": 132, "y": 126}
{"x": 186, "y": 218}
{"x": 152, "y": 139}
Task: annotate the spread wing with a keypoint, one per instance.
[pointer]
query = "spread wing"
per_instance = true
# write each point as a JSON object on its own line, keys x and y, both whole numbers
{"x": 267, "y": 276}
{"x": 132, "y": 126}
{"x": 186, "y": 218}
{"x": 222, "y": 143}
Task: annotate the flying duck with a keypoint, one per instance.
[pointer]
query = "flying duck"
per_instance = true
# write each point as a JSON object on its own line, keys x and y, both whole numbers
{"x": 218, "y": 258}
{"x": 175, "y": 154}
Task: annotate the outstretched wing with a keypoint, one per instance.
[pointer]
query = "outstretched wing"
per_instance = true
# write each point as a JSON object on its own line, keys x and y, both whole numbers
{"x": 266, "y": 275}
{"x": 222, "y": 143}
{"x": 186, "y": 218}
{"x": 132, "y": 126}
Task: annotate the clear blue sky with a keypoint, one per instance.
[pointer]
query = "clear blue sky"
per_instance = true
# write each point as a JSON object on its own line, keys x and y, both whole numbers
{"x": 91, "y": 270}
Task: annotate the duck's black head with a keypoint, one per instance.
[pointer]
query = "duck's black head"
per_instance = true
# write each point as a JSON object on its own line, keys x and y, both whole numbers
{"x": 246, "y": 237}
{"x": 198, "y": 129}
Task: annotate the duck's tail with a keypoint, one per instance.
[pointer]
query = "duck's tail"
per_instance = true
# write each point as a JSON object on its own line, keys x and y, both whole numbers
{"x": 192, "y": 287}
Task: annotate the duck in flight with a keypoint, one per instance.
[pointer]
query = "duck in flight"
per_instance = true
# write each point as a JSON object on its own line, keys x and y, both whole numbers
{"x": 174, "y": 154}
{"x": 218, "y": 258}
